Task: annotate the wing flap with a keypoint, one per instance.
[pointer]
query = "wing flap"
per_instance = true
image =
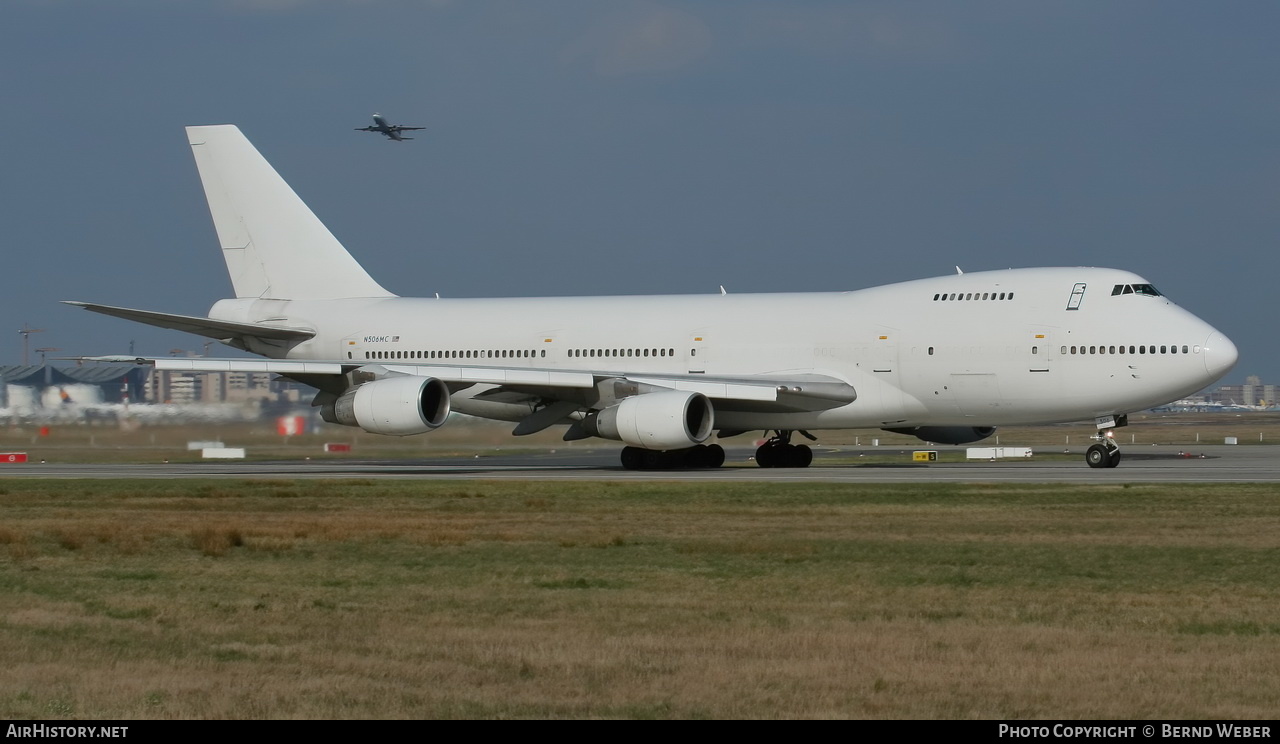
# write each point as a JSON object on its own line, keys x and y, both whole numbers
{"x": 497, "y": 375}
{"x": 714, "y": 389}
{"x": 807, "y": 390}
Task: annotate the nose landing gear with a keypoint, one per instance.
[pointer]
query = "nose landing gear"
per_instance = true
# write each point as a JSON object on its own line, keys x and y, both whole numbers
{"x": 1106, "y": 453}
{"x": 1103, "y": 455}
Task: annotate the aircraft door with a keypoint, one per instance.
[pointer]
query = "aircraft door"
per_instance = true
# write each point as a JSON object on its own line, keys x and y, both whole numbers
{"x": 697, "y": 359}
{"x": 547, "y": 349}
{"x": 351, "y": 348}
{"x": 884, "y": 356}
{"x": 884, "y": 367}
{"x": 1039, "y": 351}
{"x": 1077, "y": 296}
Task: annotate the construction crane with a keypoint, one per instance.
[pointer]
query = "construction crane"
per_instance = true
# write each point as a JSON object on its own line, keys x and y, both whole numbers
{"x": 26, "y": 332}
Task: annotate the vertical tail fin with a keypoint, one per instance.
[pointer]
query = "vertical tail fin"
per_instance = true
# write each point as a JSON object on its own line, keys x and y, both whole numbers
{"x": 274, "y": 246}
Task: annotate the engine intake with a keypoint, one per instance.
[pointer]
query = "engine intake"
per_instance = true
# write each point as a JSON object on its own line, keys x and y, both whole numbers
{"x": 395, "y": 406}
{"x": 948, "y": 434}
{"x": 655, "y": 421}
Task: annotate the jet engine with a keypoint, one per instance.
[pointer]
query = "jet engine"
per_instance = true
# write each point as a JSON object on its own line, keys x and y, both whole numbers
{"x": 396, "y": 406}
{"x": 948, "y": 434}
{"x": 655, "y": 421}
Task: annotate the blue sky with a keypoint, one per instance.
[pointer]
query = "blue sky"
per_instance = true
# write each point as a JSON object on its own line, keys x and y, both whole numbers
{"x": 587, "y": 147}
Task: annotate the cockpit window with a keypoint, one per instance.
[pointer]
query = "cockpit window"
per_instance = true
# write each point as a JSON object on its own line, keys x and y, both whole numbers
{"x": 1142, "y": 289}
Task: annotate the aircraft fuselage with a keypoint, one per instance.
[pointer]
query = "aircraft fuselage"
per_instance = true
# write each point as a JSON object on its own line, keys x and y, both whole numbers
{"x": 1020, "y": 346}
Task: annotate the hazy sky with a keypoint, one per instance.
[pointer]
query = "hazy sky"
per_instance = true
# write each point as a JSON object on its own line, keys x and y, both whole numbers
{"x": 589, "y": 147}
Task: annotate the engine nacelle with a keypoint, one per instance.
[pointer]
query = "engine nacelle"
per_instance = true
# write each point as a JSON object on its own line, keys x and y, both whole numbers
{"x": 948, "y": 434}
{"x": 395, "y": 406}
{"x": 655, "y": 421}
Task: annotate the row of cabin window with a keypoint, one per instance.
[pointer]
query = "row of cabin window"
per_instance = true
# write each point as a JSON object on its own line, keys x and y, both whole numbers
{"x": 1131, "y": 349}
{"x": 455, "y": 354}
{"x": 621, "y": 352}
{"x": 973, "y": 296}
{"x": 972, "y": 349}
{"x": 1113, "y": 349}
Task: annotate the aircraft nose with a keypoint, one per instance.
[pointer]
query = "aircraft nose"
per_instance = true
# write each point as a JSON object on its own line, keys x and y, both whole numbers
{"x": 1219, "y": 355}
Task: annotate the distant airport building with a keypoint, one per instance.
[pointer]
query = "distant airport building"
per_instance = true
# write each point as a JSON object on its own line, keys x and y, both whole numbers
{"x": 218, "y": 387}
{"x": 46, "y": 386}
{"x": 95, "y": 383}
{"x": 1252, "y": 393}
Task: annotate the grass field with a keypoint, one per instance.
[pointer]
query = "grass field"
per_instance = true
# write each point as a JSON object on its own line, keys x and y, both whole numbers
{"x": 355, "y": 599}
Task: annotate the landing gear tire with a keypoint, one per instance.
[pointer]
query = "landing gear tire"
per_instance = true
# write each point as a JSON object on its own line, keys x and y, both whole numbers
{"x": 701, "y": 456}
{"x": 632, "y": 458}
{"x": 1103, "y": 455}
{"x": 713, "y": 456}
{"x": 778, "y": 453}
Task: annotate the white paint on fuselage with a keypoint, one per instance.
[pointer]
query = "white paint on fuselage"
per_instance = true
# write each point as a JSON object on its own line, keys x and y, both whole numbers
{"x": 913, "y": 359}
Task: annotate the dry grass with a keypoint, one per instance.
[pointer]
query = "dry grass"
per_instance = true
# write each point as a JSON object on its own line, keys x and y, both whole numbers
{"x": 501, "y": 600}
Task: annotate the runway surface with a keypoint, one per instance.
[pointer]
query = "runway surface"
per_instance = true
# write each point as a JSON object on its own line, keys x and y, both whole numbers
{"x": 1152, "y": 464}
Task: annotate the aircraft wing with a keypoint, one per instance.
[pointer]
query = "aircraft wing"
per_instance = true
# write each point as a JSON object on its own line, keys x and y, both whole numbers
{"x": 800, "y": 392}
{"x": 222, "y": 330}
{"x": 399, "y": 128}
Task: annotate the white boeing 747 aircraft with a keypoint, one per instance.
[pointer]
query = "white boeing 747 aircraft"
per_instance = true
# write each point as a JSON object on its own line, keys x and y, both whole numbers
{"x": 946, "y": 359}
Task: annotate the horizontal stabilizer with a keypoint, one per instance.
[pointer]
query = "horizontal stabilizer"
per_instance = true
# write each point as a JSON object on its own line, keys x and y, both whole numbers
{"x": 221, "y": 330}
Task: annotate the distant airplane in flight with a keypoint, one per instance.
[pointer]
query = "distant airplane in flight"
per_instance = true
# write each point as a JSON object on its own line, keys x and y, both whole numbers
{"x": 945, "y": 359}
{"x": 392, "y": 131}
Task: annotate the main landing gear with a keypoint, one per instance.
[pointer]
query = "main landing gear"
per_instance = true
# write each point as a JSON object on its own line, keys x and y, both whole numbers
{"x": 702, "y": 456}
{"x": 779, "y": 452}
